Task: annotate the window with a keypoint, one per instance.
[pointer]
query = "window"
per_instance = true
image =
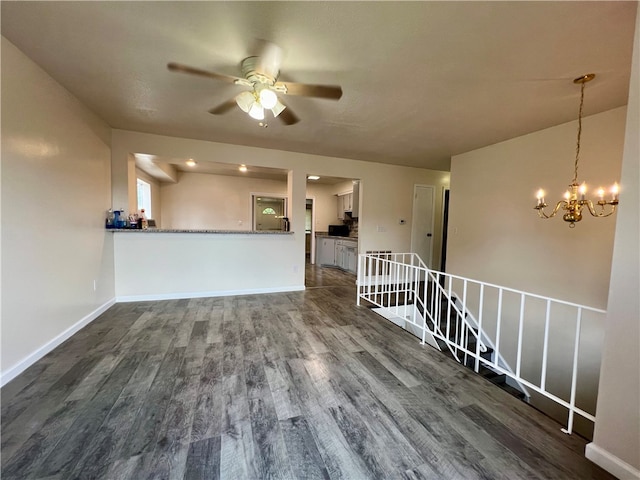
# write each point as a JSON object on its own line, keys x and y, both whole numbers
{"x": 144, "y": 197}
{"x": 268, "y": 211}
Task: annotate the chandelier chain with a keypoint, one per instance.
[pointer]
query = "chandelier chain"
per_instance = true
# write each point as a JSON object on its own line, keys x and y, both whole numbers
{"x": 575, "y": 173}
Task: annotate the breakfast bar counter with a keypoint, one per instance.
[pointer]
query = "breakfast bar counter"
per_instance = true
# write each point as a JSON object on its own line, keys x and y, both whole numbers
{"x": 181, "y": 230}
{"x": 156, "y": 264}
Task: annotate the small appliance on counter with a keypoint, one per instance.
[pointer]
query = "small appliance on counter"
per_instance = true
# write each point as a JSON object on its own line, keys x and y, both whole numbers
{"x": 338, "y": 230}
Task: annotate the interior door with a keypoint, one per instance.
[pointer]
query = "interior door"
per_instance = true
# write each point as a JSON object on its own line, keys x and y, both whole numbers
{"x": 422, "y": 222}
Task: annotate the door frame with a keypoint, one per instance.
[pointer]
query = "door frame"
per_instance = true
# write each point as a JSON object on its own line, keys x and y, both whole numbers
{"x": 431, "y": 227}
{"x": 312, "y": 257}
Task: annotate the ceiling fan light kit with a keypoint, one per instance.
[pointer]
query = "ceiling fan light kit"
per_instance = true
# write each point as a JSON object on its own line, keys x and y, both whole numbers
{"x": 245, "y": 100}
{"x": 268, "y": 98}
{"x": 575, "y": 198}
{"x": 256, "y": 111}
{"x": 260, "y": 74}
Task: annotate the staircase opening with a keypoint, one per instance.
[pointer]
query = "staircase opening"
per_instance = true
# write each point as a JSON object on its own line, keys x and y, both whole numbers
{"x": 510, "y": 337}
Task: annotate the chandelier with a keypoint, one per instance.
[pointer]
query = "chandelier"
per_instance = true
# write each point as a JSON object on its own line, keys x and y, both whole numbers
{"x": 574, "y": 198}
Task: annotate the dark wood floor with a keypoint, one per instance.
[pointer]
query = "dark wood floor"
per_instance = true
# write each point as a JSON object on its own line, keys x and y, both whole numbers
{"x": 302, "y": 385}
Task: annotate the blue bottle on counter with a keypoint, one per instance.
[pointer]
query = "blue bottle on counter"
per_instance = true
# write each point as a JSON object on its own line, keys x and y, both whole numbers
{"x": 119, "y": 220}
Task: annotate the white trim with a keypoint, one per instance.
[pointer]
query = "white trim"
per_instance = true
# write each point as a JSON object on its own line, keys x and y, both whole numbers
{"x": 36, "y": 355}
{"x": 215, "y": 293}
{"x": 611, "y": 463}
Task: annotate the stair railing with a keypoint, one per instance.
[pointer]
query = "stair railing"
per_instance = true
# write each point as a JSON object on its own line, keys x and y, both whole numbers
{"x": 469, "y": 328}
{"x": 401, "y": 282}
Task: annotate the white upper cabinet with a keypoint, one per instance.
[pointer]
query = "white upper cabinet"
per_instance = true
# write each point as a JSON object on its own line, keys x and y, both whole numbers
{"x": 349, "y": 202}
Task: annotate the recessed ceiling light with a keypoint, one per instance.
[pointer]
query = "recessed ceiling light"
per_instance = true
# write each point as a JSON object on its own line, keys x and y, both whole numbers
{"x": 313, "y": 177}
{"x": 191, "y": 163}
{"x": 242, "y": 168}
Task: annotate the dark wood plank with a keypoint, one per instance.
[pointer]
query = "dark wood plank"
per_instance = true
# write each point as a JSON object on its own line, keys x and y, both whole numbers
{"x": 63, "y": 459}
{"x": 15, "y": 431}
{"x": 207, "y": 417}
{"x": 541, "y": 461}
{"x": 39, "y": 445}
{"x": 203, "y": 460}
{"x": 292, "y": 385}
{"x": 103, "y": 450}
{"x": 237, "y": 450}
{"x": 337, "y": 455}
{"x": 144, "y": 432}
{"x": 302, "y": 446}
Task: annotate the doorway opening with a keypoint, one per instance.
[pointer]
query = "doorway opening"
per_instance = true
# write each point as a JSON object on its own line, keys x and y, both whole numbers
{"x": 309, "y": 232}
{"x": 445, "y": 228}
{"x": 422, "y": 224}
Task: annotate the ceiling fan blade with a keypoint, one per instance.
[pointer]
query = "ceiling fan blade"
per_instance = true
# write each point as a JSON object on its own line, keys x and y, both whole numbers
{"x": 269, "y": 60}
{"x": 177, "y": 67}
{"x": 223, "y": 107}
{"x": 288, "y": 117}
{"x": 332, "y": 92}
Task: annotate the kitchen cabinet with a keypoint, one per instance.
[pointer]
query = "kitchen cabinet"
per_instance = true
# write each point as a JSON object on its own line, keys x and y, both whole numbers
{"x": 345, "y": 204}
{"x": 355, "y": 200}
{"x": 332, "y": 252}
{"x": 349, "y": 202}
{"x": 352, "y": 258}
{"x": 339, "y": 255}
{"x": 326, "y": 251}
{"x": 347, "y": 255}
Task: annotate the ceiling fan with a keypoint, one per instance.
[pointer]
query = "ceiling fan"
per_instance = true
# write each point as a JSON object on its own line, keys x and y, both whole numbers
{"x": 260, "y": 74}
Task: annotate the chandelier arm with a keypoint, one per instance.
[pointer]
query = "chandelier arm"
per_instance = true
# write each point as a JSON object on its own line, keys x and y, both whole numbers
{"x": 542, "y": 214}
{"x": 593, "y": 212}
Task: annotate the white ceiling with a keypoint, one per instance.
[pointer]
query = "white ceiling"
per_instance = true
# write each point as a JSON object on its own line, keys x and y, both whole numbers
{"x": 150, "y": 163}
{"x": 422, "y": 80}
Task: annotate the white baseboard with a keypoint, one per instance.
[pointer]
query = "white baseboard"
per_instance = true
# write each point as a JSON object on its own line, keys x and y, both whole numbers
{"x": 216, "y": 293}
{"x": 14, "y": 371}
{"x": 611, "y": 463}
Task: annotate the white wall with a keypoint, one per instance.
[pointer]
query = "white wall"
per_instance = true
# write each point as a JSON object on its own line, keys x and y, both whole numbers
{"x": 325, "y": 205}
{"x": 386, "y": 191}
{"x": 222, "y": 202}
{"x": 152, "y": 265}
{"x": 55, "y": 192}
{"x": 495, "y": 234}
{"x": 216, "y": 202}
{"x": 616, "y": 444}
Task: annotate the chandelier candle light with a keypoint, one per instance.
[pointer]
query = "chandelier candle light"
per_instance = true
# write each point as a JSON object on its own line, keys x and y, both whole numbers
{"x": 574, "y": 198}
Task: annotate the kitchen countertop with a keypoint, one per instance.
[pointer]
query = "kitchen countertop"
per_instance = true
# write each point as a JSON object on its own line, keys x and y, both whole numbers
{"x": 324, "y": 235}
{"x": 180, "y": 230}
